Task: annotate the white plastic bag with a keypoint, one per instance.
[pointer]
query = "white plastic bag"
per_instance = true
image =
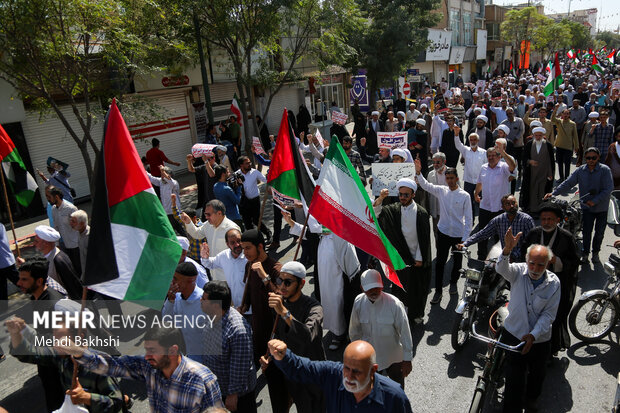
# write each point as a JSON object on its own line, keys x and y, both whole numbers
{"x": 69, "y": 407}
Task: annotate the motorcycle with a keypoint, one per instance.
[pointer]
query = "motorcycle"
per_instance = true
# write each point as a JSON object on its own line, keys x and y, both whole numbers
{"x": 484, "y": 289}
{"x": 571, "y": 213}
{"x": 597, "y": 311}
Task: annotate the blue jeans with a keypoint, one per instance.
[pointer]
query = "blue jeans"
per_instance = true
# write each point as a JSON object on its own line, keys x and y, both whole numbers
{"x": 598, "y": 221}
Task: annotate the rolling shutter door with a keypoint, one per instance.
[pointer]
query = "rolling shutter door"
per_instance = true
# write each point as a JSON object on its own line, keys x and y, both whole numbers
{"x": 287, "y": 97}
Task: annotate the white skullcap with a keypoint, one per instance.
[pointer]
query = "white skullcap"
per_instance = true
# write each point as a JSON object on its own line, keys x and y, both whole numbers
{"x": 220, "y": 148}
{"x": 538, "y": 129}
{"x": 593, "y": 115}
{"x": 295, "y": 268}
{"x": 375, "y": 113}
{"x": 521, "y": 96}
{"x": 504, "y": 128}
{"x": 423, "y": 105}
{"x": 482, "y": 118}
{"x": 475, "y": 94}
{"x": 47, "y": 233}
{"x": 401, "y": 113}
{"x": 370, "y": 279}
{"x": 421, "y": 122}
{"x": 535, "y": 123}
{"x": 399, "y": 152}
{"x": 408, "y": 183}
{"x": 478, "y": 108}
{"x": 183, "y": 242}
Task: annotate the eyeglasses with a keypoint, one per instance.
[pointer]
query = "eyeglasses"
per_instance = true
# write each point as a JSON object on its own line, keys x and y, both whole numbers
{"x": 436, "y": 162}
{"x": 403, "y": 195}
{"x": 287, "y": 282}
{"x": 591, "y": 158}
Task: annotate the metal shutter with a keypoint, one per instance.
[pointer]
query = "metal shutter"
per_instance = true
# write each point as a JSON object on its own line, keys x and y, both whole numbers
{"x": 288, "y": 97}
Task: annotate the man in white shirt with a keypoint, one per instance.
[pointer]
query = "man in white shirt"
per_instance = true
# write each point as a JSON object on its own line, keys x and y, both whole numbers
{"x": 79, "y": 222}
{"x": 436, "y": 177}
{"x": 453, "y": 228}
{"x": 474, "y": 157}
{"x": 167, "y": 186}
{"x": 534, "y": 300}
{"x": 380, "y": 319}
{"x": 214, "y": 230}
{"x": 61, "y": 214}
{"x": 232, "y": 263}
{"x": 412, "y": 114}
{"x": 500, "y": 112}
{"x": 249, "y": 208}
{"x": 183, "y": 299}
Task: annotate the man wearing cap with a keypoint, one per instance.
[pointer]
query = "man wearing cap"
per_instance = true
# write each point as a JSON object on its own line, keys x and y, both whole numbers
{"x": 183, "y": 299}
{"x": 62, "y": 276}
{"x": 380, "y": 319}
{"x": 61, "y": 215}
{"x": 407, "y": 226}
{"x": 231, "y": 261}
{"x": 485, "y": 136}
{"x": 227, "y": 349}
{"x": 566, "y": 141}
{"x": 214, "y": 230}
{"x": 374, "y": 125}
{"x": 301, "y": 328}
{"x": 538, "y": 171}
{"x": 595, "y": 185}
{"x": 564, "y": 264}
{"x": 201, "y": 273}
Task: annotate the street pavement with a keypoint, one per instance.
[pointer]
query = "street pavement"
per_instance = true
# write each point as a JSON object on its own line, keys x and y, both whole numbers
{"x": 582, "y": 379}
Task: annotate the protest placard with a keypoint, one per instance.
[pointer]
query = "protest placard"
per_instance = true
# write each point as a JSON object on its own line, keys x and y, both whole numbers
{"x": 258, "y": 146}
{"x": 615, "y": 85}
{"x": 392, "y": 140}
{"x": 387, "y": 175}
{"x": 200, "y": 149}
{"x": 339, "y": 118}
{"x": 319, "y": 137}
{"x": 349, "y": 127}
{"x": 480, "y": 86}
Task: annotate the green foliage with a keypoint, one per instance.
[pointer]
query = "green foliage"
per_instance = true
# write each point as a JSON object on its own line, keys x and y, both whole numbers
{"x": 551, "y": 37}
{"x": 521, "y": 24}
{"x": 609, "y": 39}
{"x": 579, "y": 34}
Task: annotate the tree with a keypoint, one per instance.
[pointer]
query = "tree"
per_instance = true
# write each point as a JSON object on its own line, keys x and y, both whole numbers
{"x": 609, "y": 39}
{"x": 82, "y": 53}
{"x": 551, "y": 37}
{"x": 264, "y": 40}
{"x": 521, "y": 26}
{"x": 579, "y": 34}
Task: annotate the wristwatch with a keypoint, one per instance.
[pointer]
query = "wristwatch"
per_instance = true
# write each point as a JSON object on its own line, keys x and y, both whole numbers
{"x": 266, "y": 279}
{"x": 286, "y": 315}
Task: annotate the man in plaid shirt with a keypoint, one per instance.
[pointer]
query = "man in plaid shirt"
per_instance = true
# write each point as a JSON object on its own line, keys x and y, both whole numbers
{"x": 194, "y": 244}
{"x": 173, "y": 381}
{"x": 511, "y": 218}
{"x": 354, "y": 157}
{"x": 228, "y": 349}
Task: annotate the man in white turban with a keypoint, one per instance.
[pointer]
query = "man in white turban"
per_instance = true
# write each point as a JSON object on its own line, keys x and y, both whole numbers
{"x": 538, "y": 171}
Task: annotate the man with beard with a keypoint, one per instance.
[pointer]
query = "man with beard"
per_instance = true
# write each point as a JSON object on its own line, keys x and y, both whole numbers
{"x": 534, "y": 300}
{"x": 381, "y": 319}
{"x": 173, "y": 381}
{"x": 407, "y": 226}
{"x": 511, "y": 218}
{"x": 485, "y": 135}
{"x": 353, "y": 385}
{"x": 447, "y": 141}
{"x": 544, "y": 122}
{"x": 301, "y": 327}
{"x": 373, "y": 126}
{"x": 474, "y": 156}
{"x": 354, "y": 156}
{"x": 249, "y": 207}
{"x": 417, "y": 143}
{"x": 382, "y": 157}
{"x": 564, "y": 264}
{"x": 262, "y": 272}
{"x": 538, "y": 171}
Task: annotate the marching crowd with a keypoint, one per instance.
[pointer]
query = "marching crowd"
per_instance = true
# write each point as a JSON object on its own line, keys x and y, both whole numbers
{"x": 516, "y": 138}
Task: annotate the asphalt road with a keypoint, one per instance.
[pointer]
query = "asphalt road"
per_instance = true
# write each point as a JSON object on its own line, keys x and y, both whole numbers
{"x": 582, "y": 379}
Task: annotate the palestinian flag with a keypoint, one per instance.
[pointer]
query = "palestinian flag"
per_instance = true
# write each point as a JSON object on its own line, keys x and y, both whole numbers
{"x": 132, "y": 248}
{"x": 341, "y": 203}
{"x": 571, "y": 54}
{"x": 511, "y": 69}
{"x": 288, "y": 175}
{"x": 611, "y": 55}
{"x": 555, "y": 78}
{"x": 595, "y": 65}
{"x": 20, "y": 181}
{"x": 236, "y": 109}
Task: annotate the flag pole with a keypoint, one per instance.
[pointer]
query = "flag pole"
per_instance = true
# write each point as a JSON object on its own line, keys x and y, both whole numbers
{"x": 8, "y": 208}
{"x": 79, "y": 333}
{"x": 262, "y": 207}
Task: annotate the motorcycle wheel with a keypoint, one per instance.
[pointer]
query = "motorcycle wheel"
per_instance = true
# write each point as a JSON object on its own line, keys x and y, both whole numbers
{"x": 476, "y": 402}
{"x": 587, "y": 323}
{"x": 460, "y": 335}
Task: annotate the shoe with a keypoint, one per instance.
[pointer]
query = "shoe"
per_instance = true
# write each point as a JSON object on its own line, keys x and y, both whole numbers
{"x": 453, "y": 289}
{"x": 436, "y": 298}
{"x": 595, "y": 259}
{"x": 333, "y": 346}
{"x": 274, "y": 246}
{"x": 584, "y": 260}
{"x": 418, "y": 320}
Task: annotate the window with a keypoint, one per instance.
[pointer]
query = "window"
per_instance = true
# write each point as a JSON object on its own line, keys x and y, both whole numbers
{"x": 492, "y": 31}
{"x": 455, "y": 25}
{"x": 467, "y": 31}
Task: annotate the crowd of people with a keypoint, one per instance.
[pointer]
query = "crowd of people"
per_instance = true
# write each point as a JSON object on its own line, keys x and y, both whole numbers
{"x": 507, "y": 137}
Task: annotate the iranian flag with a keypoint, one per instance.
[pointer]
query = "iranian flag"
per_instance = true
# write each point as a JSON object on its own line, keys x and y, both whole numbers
{"x": 132, "y": 248}
{"x": 555, "y": 77}
{"x": 236, "y": 109}
{"x": 341, "y": 203}
{"x": 571, "y": 54}
{"x": 288, "y": 175}
{"x": 20, "y": 181}
{"x": 595, "y": 65}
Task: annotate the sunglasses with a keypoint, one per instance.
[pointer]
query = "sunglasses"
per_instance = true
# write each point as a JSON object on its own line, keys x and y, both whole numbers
{"x": 402, "y": 195}
{"x": 591, "y": 158}
{"x": 287, "y": 282}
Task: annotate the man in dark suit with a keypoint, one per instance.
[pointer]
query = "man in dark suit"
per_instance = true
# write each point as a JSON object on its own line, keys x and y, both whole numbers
{"x": 412, "y": 243}
{"x": 61, "y": 274}
{"x": 374, "y": 125}
{"x": 564, "y": 264}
